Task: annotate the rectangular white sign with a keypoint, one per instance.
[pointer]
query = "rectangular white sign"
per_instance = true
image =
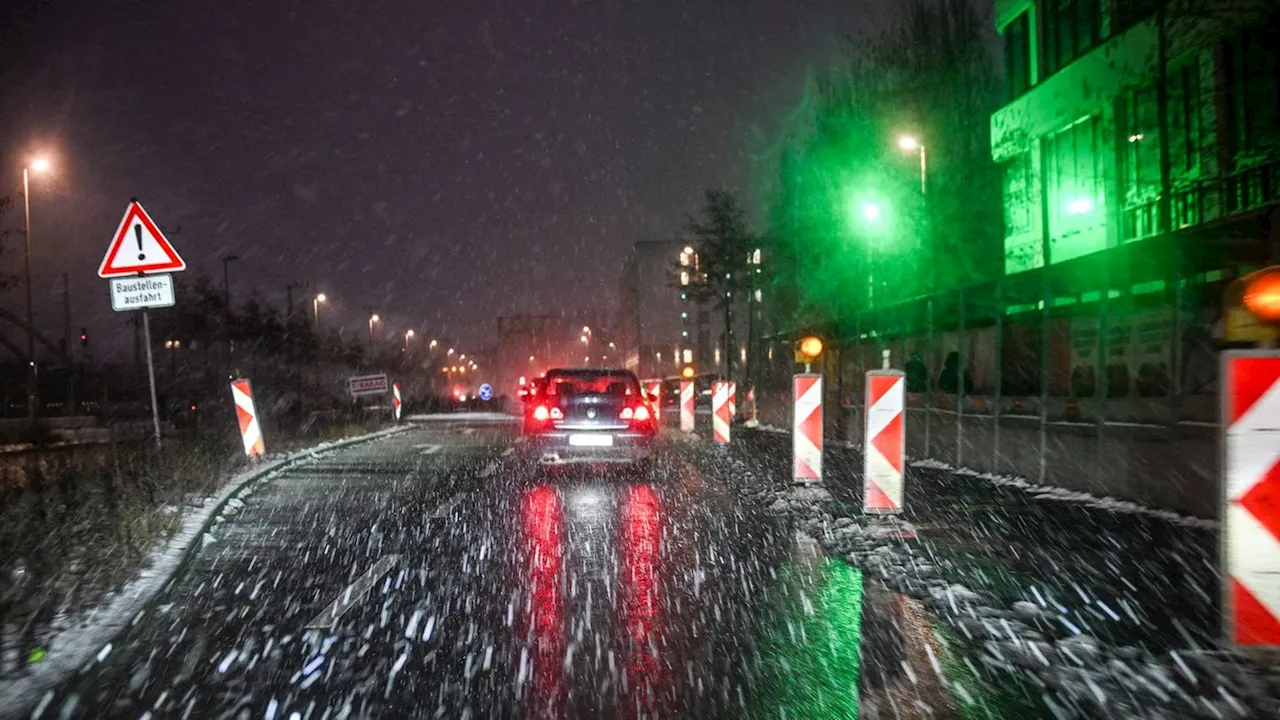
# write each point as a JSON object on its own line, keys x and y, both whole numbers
{"x": 369, "y": 385}
{"x": 137, "y": 293}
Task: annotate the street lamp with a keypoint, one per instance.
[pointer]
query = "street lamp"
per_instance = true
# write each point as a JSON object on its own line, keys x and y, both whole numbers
{"x": 450, "y": 352}
{"x": 37, "y": 165}
{"x": 433, "y": 344}
{"x": 911, "y": 143}
{"x": 373, "y": 320}
{"x": 315, "y": 307}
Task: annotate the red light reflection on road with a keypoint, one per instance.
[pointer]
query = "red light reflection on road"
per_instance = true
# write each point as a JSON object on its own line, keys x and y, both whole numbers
{"x": 544, "y": 527}
{"x": 641, "y": 548}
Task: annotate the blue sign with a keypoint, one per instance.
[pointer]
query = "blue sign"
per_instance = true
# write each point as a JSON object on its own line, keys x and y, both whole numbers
{"x": 486, "y": 392}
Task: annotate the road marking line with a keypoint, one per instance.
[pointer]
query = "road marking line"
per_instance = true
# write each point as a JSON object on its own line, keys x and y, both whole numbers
{"x": 353, "y": 593}
{"x": 508, "y": 452}
{"x": 448, "y": 507}
{"x": 430, "y": 449}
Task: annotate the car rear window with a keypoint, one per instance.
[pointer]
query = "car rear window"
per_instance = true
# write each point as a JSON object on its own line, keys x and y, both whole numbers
{"x": 569, "y": 384}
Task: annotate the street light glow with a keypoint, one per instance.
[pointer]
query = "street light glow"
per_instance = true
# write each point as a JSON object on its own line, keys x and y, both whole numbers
{"x": 433, "y": 344}
{"x": 374, "y": 319}
{"x": 908, "y": 142}
{"x": 321, "y": 298}
{"x": 408, "y": 333}
{"x": 39, "y": 164}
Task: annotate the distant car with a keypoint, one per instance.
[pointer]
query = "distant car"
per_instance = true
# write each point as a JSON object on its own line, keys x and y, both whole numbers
{"x": 589, "y": 416}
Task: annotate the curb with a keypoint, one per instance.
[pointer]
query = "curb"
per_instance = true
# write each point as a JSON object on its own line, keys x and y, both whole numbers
{"x": 123, "y": 607}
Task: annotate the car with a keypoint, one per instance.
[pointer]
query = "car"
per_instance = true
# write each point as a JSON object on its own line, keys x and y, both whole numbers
{"x": 591, "y": 416}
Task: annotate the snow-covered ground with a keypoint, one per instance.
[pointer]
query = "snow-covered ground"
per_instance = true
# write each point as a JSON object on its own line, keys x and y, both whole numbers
{"x": 1079, "y": 675}
{"x": 77, "y": 639}
{"x": 470, "y": 417}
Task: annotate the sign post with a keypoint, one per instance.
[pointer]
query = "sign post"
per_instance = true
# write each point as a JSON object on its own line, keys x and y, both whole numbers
{"x": 720, "y": 417}
{"x": 686, "y": 406}
{"x": 806, "y": 431}
{"x": 883, "y": 456}
{"x": 135, "y": 263}
{"x": 1251, "y": 514}
{"x": 247, "y": 415}
{"x": 365, "y": 385}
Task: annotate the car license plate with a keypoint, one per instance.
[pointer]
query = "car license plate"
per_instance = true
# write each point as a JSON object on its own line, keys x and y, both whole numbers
{"x": 592, "y": 440}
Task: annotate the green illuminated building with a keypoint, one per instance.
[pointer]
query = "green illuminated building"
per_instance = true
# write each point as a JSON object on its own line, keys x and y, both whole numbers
{"x": 1079, "y": 136}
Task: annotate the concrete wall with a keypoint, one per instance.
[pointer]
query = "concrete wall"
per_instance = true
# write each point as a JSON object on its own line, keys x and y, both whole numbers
{"x": 1170, "y": 468}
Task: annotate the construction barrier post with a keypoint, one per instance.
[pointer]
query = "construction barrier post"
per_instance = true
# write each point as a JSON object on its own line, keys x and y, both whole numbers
{"x": 250, "y": 431}
{"x": 806, "y": 436}
{"x": 1251, "y": 513}
{"x": 720, "y": 417}
{"x": 395, "y": 401}
{"x": 686, "y": 406}
{"x": 733, "y": 401}
{"x": 883, "y": 456}
{"x": 655, "y": 389}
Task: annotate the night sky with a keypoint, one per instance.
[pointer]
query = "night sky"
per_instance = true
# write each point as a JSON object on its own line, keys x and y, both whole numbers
{"x": 446, "y": 162}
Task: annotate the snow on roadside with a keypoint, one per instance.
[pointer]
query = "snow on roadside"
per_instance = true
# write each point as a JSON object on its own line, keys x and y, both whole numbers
{"x": 494, "y": 417}
{"x": 1080, "y": 675}
{"x": 77, "y": 640}
{"x": 1053, "y": 492}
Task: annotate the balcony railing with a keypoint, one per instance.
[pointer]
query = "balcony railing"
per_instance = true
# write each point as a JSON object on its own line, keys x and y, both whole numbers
{"x": 1205, "y": 200}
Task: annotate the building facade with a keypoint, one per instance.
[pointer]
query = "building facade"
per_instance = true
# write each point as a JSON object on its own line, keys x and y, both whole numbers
{"x": 1079, "y": 137}
{"x": 656, "y": 327}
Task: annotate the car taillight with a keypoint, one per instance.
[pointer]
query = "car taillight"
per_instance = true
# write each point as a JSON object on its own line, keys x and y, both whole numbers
{"x": 636, "y": 414}
{"x": 557, "y": 413}
{"x": 541, "y": 414}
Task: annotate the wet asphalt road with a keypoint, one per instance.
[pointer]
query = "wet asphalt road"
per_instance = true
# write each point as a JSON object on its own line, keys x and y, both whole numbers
{"x": 440, "y": 578}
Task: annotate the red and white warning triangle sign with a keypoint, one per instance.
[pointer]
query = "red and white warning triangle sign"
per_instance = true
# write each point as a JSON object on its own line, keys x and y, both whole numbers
{"x": 139, "y": 248}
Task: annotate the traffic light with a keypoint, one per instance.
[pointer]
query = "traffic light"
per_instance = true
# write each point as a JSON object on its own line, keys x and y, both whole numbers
{"x": 84, "y": 338}
{"x": 687, "y": 373}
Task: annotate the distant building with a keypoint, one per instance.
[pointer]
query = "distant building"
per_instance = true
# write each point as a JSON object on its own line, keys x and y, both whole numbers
{"x": 655, "y": 326}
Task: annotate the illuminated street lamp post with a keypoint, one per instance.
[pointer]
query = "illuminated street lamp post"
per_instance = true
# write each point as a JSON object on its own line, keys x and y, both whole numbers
{"x": 912, "y": 143}
{"x": 373, "y": 320}
{"x": 315, "y": 307}
{"x": 38, "y": 165}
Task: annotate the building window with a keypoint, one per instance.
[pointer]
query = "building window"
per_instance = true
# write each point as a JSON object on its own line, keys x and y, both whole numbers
{"x": 1184, "y": 122}
{"x": 1070, "y": 28}
{"x": 1017, "y": 56}
{"x": 1254, "y": 87}
{"x": 1138, "y": 124}
{"x": 1017, "y": 195}
{"x": 1077, "y": 214}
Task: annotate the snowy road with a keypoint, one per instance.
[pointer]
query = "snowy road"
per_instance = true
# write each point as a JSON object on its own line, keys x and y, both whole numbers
{"x": 429, "y": 575}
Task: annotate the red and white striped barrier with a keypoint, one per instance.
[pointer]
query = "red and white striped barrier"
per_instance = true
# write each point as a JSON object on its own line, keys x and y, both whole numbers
{"x": 250, "y": 431}
{"x": 395, "y": 400}
{"x": 686, "y": 406}
{"x": 806, "y": 436}
{"x": 655, "y": 389}
{"x": 883, "y": 457}
{"x": 720, "y": 417}
{"x": 733, "y": 399}
{"x": 1251, "y": 482}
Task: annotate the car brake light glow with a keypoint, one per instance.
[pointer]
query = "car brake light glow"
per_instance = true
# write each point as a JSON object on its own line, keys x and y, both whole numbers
{"x": 642, "y": 414}
{"x": 541, "y": 414}
{"x": 556, "y": 413}
{"x": 626, "y": 414}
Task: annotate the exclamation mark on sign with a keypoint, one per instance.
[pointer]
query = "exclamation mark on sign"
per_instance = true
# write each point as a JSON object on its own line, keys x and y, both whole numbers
{"x": 137, "y": 234}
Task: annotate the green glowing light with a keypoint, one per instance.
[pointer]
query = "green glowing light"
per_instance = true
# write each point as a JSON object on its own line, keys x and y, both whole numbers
{"x": 1080, "y": 206}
